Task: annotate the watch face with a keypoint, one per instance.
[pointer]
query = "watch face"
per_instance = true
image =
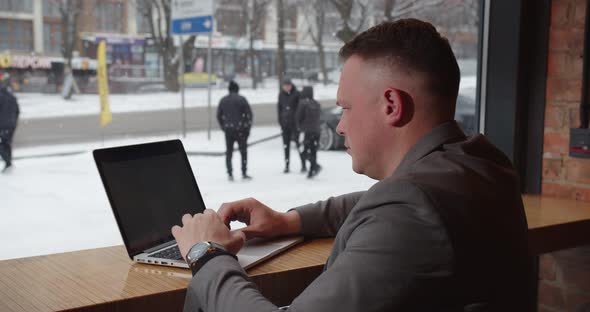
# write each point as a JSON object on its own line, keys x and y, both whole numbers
{"x": 197, "y": 251}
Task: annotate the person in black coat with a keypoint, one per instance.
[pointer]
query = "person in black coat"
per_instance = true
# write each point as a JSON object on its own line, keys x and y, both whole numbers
{"x": 308, "y": 121}
{"x": 287, "y": 106}
{"x": 235, "y": 119}
{"x": 9, "y": 112}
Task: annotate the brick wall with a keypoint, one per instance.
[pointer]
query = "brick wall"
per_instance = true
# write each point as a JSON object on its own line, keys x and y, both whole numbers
{"x": 564, "y": 176}
{"x": 565, "y": 281}
{"x": 564, "y": 276}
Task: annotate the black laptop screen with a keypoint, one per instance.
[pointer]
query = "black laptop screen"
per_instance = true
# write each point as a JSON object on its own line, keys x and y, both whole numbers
{"x": 150, "y": 187}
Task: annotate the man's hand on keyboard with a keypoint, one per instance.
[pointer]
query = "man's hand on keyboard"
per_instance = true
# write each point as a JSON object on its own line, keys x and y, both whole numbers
{"x": 261, "y": 220}
{"x": 206, "y": 227}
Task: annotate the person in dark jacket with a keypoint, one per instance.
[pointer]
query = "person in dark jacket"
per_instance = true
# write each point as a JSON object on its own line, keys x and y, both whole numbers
{"x": 308, "y": 121}
{"x": 9, "y": 112}
{"x": 287, "y": 106}
{"x": 235, "y": 119}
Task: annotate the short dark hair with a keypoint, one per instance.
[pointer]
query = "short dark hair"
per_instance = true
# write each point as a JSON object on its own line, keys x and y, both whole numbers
{"x": 233, "y": 86}
{"x": 412, "y": 45}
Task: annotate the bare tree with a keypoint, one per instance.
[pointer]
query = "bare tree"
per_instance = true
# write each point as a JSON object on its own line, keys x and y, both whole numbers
{"x": 441, "y": 12}
{"x": 354, "y": 15}
{"x": 394, "y": 9}
{"x": 158, "y": 14}
{"x": 315, "y": 16}
{"x": 69, "y": 10}
{"x": 255, "y": 11}
{"x": 188, "y": 47}
{"x": 456, "y": 19}
{"x": 281, "y": 62}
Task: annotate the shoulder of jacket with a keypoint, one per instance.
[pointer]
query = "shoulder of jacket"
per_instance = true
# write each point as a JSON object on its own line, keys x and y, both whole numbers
{"x": 396, "y": 191}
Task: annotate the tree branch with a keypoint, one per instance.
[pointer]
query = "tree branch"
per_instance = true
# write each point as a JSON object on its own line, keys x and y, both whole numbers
{"x": 412, "y": 7}
{"x": 364, "y": 9}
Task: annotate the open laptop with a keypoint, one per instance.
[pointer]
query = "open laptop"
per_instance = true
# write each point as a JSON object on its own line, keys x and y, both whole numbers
{"x": 150, "y": 187}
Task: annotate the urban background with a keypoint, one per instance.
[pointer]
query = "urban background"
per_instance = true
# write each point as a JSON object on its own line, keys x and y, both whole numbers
{"x": 48, "y": 59}
{"x": 254, "y": 40}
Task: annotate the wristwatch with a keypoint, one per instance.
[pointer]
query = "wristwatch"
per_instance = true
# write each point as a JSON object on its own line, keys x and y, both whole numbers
{"x": 202, "y": 252}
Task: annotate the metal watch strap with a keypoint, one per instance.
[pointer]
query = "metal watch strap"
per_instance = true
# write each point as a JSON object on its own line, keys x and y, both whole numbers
{"x": 199, "y": 263}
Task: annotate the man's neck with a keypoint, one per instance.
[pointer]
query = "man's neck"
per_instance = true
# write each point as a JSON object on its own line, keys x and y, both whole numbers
{"x": 406, "y": 140}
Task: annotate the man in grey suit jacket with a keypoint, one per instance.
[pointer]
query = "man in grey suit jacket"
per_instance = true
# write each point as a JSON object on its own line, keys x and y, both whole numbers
{"x": 444, "y": 229}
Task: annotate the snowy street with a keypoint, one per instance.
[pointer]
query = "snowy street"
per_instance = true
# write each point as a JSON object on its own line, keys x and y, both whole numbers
{"x": 49, "y": 119}
{"x": 37, "y": 105}
{"x": 58, "y": 204}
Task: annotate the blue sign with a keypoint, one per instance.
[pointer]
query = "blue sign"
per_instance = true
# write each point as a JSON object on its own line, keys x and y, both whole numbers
{"x": 191, "y": 25}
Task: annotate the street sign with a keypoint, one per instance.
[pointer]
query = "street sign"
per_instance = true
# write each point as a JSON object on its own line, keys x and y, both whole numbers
{"x": 192, "y": 16}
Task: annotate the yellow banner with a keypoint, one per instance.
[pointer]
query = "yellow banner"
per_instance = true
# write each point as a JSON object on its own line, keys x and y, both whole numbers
{"x": 197, "y": 79}
{"x": 103, "y": 84}
{"x": 5, "y": 61}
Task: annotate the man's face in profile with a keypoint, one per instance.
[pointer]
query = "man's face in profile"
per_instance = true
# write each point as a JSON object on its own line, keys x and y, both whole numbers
{"x": 361, "y": 123}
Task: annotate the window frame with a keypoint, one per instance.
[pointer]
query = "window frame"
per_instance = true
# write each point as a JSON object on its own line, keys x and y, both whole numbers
{"x": 23, "y": 43}
{"x": 512, "y": 92}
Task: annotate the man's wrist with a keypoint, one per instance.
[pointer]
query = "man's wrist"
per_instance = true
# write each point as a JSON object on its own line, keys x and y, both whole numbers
{"x": 203, "y": 252}
{"x": 197, "y": 265}
{"x": 292, "y": 221}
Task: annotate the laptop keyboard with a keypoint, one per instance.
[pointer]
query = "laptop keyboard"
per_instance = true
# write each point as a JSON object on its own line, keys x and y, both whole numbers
{"x": 170, "y": 253}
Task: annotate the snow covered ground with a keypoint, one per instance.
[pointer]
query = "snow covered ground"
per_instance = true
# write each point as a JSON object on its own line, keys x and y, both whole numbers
{"x": 58, "y": 204}
{"x": 37, "y": 105}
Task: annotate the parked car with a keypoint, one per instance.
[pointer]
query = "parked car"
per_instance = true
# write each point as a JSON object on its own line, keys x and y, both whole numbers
{"x": 465, "y": 113}
{"x": 310, "y": 74}
{"x": 331, "y": 140}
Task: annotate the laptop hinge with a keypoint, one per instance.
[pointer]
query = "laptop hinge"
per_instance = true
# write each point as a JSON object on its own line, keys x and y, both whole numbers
{"x": 161, "y": 246}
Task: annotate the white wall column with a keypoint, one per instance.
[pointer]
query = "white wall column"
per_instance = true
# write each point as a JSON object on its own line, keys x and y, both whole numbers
{"x": 38, "y": 26}
{"x": 132, "y": 16}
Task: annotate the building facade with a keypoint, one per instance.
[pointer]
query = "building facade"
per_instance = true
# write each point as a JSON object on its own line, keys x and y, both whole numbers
{"x": 33, "y": 40}
{"x": 31, "y": 48}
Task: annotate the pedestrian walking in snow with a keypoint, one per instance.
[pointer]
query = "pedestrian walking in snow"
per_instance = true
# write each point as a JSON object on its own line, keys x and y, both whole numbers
{"x": 286, "y": 108}
{"x": 235, "y": 119}
{"x": 308, "y": 121}
{"x": 9, "y": 112}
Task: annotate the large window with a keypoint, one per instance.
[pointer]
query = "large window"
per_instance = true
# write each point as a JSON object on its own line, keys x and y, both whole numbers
{"x": 291, "y": 15}
{"x": 52, "y": 24}
{"x": 109, "y": 16}
{"x": 231, "y": 20}
{"x": 19, "y": 6}
{"x": 53, "y": 186}
{"x": 52, "y": 41}
{"x": 16, "y": 35}
{"x": 332, "y": 22}
{"x": 142, "y": 22}
{"x": 51, "y": 8}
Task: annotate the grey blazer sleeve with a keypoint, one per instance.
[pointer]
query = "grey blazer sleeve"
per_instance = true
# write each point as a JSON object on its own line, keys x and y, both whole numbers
{"x": 393, "y": 254}
{"x": 324, "y": 218}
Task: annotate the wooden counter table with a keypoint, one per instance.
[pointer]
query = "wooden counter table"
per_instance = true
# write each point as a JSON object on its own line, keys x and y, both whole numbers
{"x": 105, "y": 279}
{"x": 556, "y": 224}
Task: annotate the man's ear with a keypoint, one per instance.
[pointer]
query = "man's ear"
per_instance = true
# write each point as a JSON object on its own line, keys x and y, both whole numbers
{"x": 394, "y": 106}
